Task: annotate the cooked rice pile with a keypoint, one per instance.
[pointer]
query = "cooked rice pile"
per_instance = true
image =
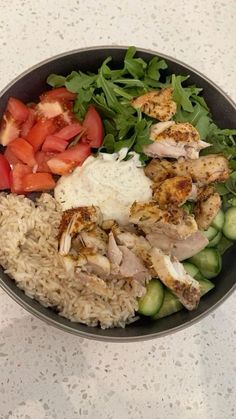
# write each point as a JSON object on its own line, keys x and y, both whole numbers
{"x": 28, "y": 253}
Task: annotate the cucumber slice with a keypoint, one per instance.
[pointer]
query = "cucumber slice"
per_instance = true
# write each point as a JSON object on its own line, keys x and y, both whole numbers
{"x": 199, "y": 276}
{"x": 191, "y": 269}
{"x": 205, "y": 285}
{"x": 229, "y": 228}
{"x": 170, "y": 305}
{"x": 224, "y": 245}
{"x": 152, "y": 301}
{"x": 208, "y": 262}
{"x": 219, "y": 220}
{"x": 215, "y": 240}
{"x": 210, "y": 233}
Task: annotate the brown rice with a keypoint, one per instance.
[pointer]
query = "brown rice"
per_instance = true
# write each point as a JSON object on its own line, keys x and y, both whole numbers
{"x": 28, "y": 253}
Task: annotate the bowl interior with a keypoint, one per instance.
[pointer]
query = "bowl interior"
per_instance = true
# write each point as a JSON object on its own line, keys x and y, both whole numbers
{"x": 28, "y": 87}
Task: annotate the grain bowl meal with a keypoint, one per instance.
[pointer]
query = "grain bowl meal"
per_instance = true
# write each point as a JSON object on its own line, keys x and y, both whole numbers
{"x": 118, "y": 194}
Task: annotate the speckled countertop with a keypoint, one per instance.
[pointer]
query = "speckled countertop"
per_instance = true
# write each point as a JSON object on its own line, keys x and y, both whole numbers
{"x": 45, "y": 373}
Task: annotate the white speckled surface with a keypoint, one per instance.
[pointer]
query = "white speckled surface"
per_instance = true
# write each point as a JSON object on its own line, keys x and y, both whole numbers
{"x": 45, "y": 373}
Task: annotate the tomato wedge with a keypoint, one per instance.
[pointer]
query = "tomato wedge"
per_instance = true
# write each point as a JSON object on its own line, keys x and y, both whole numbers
{"x": 17, "y": 109}
{"x": 65, "y": 162}
{"x": 94, "y": 128}
{"x": 27, "y": 125}
{"x": 36, "y": 182}
{"x": 23, "y": 151}
{"x": 49, "y": 109}
{"x": 42, "y": 158}
{"x": 61, "y": 167}
{"x": 40, "y": 131}
{"x": 9, "y": 129}
{"x": 60, "y": 93}
{"x": 10, "y": 156}
{"x": 5, "y": 171}
{"x": 54, "y": 143}
{"x": 77, "y": 153}
{"x": 69, "y": 132}
{"x": 17, "y": 174}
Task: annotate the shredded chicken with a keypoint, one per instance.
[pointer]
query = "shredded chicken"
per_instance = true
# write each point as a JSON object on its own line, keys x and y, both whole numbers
{"x": 203, "y": 171}
{"x": 179, "y": 140}
{"x": 96, "y": 239}
{"x": 171, "y": 272}
{"x": 174, "y": 222}
{"x": 157, "y": 104}
{"x": 173, "y": 191}
{"x": 181, "y": 249}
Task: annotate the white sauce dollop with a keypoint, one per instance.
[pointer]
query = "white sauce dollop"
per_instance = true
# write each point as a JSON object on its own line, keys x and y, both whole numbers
{"x": 110, "y": 184}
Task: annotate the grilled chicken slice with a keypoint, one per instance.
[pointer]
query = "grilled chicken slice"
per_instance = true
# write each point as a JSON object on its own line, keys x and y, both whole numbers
{"x": 125, "y": 262}
{"x": 74, "y": 221}
{"x": 157, "y": 104}
{"x": 95, "y": 263}
{"x": 131, "y": 266}
{"x": 95, "y": 239}
{"x": 206, "y": 210}
{"x": 95, "y": 284}
{"x": 174, "y": 191}
{"x": 203, "y": 171}
{"x": 181, "y": 249}
{"x": 175, "y": 222}
{"x": 157, "y": 171}
{"x": 178, "y": 140}
{"x": 171, "y": 272}
{"x": 138, "y": 244}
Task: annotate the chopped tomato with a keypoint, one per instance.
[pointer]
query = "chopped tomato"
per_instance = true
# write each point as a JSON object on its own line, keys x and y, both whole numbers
{"x": 66, "y": 118}
{"x": 60, "y": 93}
{"x": 40, "y": 131}
{"x": 10, "y": 156}
{"x": 61, "y": 167}
{"x": 34, "y": 182}
{"x": 27, "y": 125}
{"x": 54, "y": 143}
{"x": 9, "y": 129}
{"x": 5, "y": 171}
{"x": 42, "y": 158}
{"x": 69, "y": 132}
{"x": 65, "y": 162}
{"x": 17, "y": 174}
{"x": 49, "y": 109}
{"x": 94, "y": 128}
{"x": 23, "y": 151}
{"x": 77, "y": 153}
{"x": 17, "y": 109}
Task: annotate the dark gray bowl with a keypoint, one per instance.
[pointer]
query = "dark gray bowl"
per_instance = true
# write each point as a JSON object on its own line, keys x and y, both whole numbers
{"x": 28, "y": 87}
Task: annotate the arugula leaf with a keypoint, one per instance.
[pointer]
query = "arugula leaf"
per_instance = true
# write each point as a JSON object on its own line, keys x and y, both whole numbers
{"x": 128, "y": 143}
{"x": 82, "y": 101}
{"x": 99, "y": 101}
{"x": 221, "y": 189}
{"x": 180, "y": 95}
{"x": 134, "y": 66}
{"x": 108, "y": 144}
{"x": 154, "y": 67}
{"x": 77, "y": 81}
{"x": 55, "y": 80}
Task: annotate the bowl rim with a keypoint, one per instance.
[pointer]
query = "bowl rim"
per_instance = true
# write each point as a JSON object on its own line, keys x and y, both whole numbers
{"x": 89, "y": 335}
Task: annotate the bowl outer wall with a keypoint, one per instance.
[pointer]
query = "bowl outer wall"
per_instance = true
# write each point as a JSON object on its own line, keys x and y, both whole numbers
{"x": 28, "y": 86}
